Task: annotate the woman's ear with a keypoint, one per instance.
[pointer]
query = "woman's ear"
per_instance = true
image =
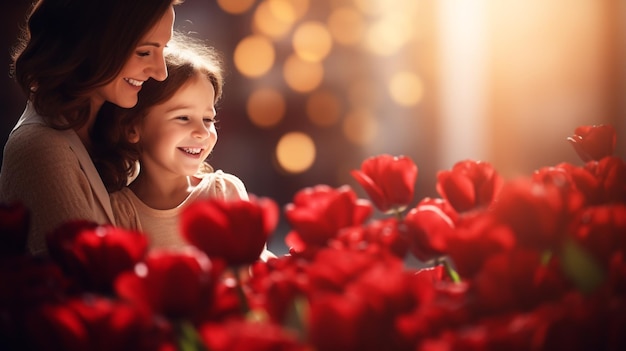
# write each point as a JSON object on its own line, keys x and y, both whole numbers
{"x": 132, "y": 135}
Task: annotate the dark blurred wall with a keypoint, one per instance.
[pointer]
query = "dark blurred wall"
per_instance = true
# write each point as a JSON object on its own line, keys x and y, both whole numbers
{"x": 12, "y": 100}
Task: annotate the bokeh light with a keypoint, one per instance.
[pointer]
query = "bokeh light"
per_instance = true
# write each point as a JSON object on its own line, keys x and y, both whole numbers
{"x": 295, "y": 152}
{"x": 371, "y": 7}
{"x": 274, "y": 18}
{"x": 360, "y": 126}
{"x": 302, "y": 76}
{"x": 386, "y": 36}
{"x": 301, "y": 7}
{"x": 406, "y": 88}
{"x": 266, "y": 107}
{"x": 323, "y": 108}
{"x": 235, "y": 7}
{"x": 346, "y": 25}
{"x": 254, "y": 56}
{"x": 364, "y": 91}
{"x": 312, "y": 41}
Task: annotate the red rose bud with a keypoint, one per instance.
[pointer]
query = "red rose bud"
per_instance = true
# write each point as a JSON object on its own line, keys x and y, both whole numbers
{"x": 91, "y": 322}
{"x": 539, "y": 213}
{"x": 318, "y": 213}
{"x": 469, "y": 185}
{"x": 234, "y": 231}
{"x": 174, "y": 284}
{"x": 610, "y": 172}
{"x": 600, "y": 230}
{"x": 378, "y": 235}
{"x": 241, "y": 335}
{"x": 593, "y": 143}
{"x": 428, "y": 229}
{"x": 94, "y": 255}
{"x": 388, "y": 180}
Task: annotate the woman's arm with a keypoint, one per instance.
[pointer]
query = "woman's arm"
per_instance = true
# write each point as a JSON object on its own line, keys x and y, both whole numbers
{"x": 41, "y": 171}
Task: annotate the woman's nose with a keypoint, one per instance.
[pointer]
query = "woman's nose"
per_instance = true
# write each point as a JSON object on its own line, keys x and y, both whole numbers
{"x": 159, "y": 69}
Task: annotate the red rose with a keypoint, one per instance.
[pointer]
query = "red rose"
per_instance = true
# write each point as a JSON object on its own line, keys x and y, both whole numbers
{"x": 571, "y": 177}
{"x": 333, "y": 269}
{"x": 318, "y": 213}
{"x": 25, "y": 283}
{"x": 611, "y": 175}
{"x": 517, "y": 280}
{"x": 240, "y": 335}
{"x": 234, "y": 231}
{"x": 539, "y": 214}
{"x": 94, "y": 255}
{"x": 351, "y": 323}
{"x": 356, "y": 299}
{"x": 278, "y": 287}
{"x": 384, "y": 234}
{"x": 388, "y": 180}
{"x": 475, "y": 240}
{"x": 579, "y": 323}
{"x": 469, "y": 185}
{"x": 601, "y": 231}
{"x": 175, "y": 284}
{"x": 428, "y": 228}
{"x": 593, "y": 143}
{"x": 94, "y": 323}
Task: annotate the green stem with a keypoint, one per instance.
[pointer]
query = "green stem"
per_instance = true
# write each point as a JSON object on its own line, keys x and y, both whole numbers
{"x": 188, "y": 338}
{"x": 398, "y": 214}
{"x": 452, "y": 273}
{"x": 546, "y": 257}
{"x": 243, "y": 300}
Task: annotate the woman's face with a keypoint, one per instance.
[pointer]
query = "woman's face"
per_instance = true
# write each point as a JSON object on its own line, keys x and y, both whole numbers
{"x": 177, "y": 135}
{"x": 146, "y": 62}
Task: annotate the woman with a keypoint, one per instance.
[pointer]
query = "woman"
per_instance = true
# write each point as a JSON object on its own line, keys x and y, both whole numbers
{"x": 72, "y": 57}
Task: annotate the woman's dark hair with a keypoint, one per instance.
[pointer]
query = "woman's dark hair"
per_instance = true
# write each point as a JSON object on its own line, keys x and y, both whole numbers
{"x": 70, "y": 47}
{"x": 115, "y": 157}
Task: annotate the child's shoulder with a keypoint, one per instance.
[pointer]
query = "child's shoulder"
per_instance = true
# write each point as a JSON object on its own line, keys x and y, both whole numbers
{"x": 219, "y": 176}
{"x": 204, "y": 169}
{"x": 219, "y": 184}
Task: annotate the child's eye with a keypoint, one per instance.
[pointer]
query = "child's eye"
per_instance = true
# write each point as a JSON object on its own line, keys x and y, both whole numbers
{"x": 182, "y": 118}
{"x": 209, "y": 120}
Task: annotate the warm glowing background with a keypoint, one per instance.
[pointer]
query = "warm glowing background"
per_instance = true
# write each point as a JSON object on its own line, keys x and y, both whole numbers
{"x": 316, "y": 86}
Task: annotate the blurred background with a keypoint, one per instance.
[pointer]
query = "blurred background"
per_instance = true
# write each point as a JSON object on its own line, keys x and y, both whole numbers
{"x": 314, "y": 87}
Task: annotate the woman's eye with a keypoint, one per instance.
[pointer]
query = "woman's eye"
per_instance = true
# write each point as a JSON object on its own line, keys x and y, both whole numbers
{"x": 143, "y": 53}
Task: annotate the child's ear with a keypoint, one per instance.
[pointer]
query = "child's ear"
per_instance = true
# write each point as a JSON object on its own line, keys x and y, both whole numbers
{"x": 132, "y": 135}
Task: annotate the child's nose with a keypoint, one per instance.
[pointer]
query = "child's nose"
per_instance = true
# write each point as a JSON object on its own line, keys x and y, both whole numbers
{"x": 201, "y": 131}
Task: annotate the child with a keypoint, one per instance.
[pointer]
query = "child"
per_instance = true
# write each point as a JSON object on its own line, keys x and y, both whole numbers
{"x": 168, "y": 135}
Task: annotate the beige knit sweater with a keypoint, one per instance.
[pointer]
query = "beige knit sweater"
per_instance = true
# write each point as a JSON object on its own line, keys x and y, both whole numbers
{"x": 51, "y": 173}
{"x": 162, "y": 226}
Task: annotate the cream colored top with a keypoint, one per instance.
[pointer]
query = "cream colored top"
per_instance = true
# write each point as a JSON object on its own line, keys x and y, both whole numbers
{"x": 162, "y": 226}
{"x": 51, "y": 173}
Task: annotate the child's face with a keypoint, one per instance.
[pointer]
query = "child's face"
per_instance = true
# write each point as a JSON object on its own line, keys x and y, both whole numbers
{"x": 177, "y": 136}
{"x": 146, "y": 62}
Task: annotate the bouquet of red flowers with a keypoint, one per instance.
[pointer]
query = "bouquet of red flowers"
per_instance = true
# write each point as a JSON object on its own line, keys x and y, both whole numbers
{"x": 534, "y": 263}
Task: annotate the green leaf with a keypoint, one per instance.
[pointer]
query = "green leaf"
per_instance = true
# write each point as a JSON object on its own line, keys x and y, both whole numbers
{"x": 297, "y": 316}
{"x": 188, "y": 338}
{"x": 581, "y": 267}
